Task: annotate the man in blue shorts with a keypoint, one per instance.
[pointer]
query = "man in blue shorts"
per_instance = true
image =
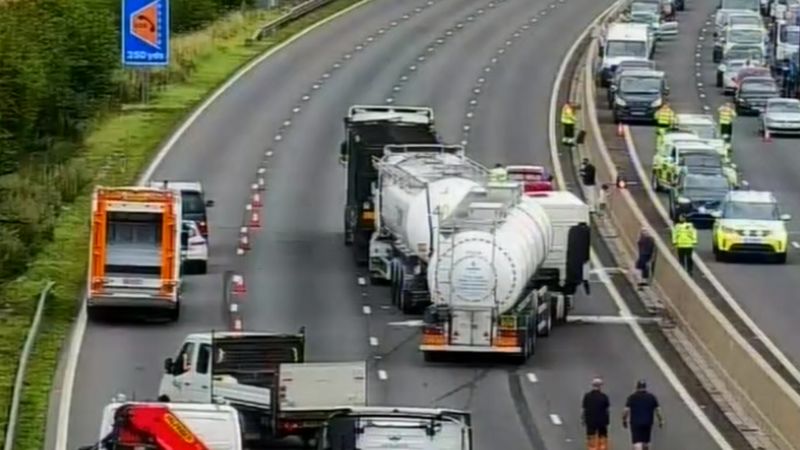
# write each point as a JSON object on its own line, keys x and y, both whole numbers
{"x": 641, "y": 408}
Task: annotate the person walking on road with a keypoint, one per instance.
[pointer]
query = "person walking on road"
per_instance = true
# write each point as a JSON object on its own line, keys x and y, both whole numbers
{"x": 641, "y": 409}
{"x": 647, "y": 248}
{"x": 665, "y": 120}
{"x": 595, "y": 416}
{"x": 588, "y": 174}
{"x": 568, "y": 120}
{"x": 499, "y": 173}
{"x": 726, "y": 115}
{"x": 684, "y": 238}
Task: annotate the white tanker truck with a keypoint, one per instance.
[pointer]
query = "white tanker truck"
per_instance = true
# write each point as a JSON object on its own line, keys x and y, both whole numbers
{"x": 503, "y": 267}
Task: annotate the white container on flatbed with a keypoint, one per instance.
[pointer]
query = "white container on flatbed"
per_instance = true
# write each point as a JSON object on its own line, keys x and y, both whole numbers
{"x": 322, "y": 385}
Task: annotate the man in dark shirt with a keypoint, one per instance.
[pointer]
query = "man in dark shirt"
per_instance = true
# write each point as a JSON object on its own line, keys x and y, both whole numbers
{"x": 641, "y": 407}
{"x": 595, "y": 416}
{"x": 647, "y": 248}
{"x": 588, "y": 174}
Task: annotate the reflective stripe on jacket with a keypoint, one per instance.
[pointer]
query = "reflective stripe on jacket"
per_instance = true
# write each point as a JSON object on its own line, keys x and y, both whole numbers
{"x": 567, "y": 115}
{"x": 665, "y": 116}
{"x": 498, "y": 174}
{"x": 726, "y": 115}
{"x": 684, "y": 235}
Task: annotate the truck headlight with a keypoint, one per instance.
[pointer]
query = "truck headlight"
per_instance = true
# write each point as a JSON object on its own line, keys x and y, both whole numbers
{"x": 684, "y": 200}
{"x": 619, "y": 102}
{"x": 656, "y": 103}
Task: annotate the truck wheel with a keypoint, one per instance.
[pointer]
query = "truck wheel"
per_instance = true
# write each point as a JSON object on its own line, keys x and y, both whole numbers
{"x": 719, "y": 79}
{"x": 94, "y": 313}
{"x": 175, "y": 314}
{"x": 431, "y": 357}
{"x": 163, "y": 398}
{"x": 780, "y": 258}
{"x": 202, "y": 267}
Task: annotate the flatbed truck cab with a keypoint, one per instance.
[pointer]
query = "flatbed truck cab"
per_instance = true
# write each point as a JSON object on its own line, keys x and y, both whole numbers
{"x": 368, "y": 129}
{"x": 134, "y": 251}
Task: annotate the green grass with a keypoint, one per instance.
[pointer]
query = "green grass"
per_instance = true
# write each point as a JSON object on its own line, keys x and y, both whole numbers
{"x": 116, "y": 152}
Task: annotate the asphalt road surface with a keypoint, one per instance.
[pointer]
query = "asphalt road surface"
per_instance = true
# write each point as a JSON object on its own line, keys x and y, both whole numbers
{"x": 767, "y": 292}
{"x": 299, "y": 272}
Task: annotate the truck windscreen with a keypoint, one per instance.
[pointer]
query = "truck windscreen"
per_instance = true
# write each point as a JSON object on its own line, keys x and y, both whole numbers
{"x": 133, "y": 243}
{"x": 751, "y": 5}
{"x": 634, "y": 49}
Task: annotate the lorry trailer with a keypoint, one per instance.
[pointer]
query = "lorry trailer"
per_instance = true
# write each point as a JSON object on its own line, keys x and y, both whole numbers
{"x": 367, "y": 130}
{"x": 135, "y": 250}
{"x": 504, "y": 268}
{"x": 417, "y": 186}
{"x": 265, "y": 377}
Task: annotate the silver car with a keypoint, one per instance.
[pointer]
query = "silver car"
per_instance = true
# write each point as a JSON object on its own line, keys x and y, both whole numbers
{"x": 781, "y": 116}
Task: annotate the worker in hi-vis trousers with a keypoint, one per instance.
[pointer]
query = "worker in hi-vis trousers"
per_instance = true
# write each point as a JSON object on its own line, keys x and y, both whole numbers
{"x": 499, "y": 173}
{"x": 726, "y": 115}
{"x": 595, "y": 416}
{"x": 568, "y": 124}
{"x": 665, "y": 120}
{"x": 684, "y": 238}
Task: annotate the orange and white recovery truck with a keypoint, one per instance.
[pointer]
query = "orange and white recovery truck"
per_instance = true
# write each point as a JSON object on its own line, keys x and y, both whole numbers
{"x": 135, "y": 250}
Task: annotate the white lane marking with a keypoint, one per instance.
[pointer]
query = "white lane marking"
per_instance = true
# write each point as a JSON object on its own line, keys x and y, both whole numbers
{"x": 76, "y": 338}
{"x": 795, "y": 244}
{"x": 366, "y": 309}
{"x": 532, "y": 377}
{"x": 407, "y": 323}
{"x": 698, "y": 261}
{"x": 382, "y": 375}
{"x": 612, "y": 320}
{"x": 362, "y": 281}
{"x": 555, "y": 419}
{"x": 615, "y": 295}
{"x": 373, "y": 341}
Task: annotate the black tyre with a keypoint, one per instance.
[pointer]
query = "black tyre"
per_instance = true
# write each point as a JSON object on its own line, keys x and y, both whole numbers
{"x": 202, "y": 267}
{"x": 719, "y": 79}
{"x": 175, "y": 314}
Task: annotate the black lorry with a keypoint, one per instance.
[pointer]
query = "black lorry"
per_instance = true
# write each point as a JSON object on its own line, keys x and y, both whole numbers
{"x": 368, "y": 129}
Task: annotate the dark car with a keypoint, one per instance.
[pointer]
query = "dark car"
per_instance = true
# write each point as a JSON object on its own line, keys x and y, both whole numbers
{"x": 753, "y": 93}
{"x": 697, "y": 196}
{"x": 625, "y": 65}
{"x": 638, "y": 94}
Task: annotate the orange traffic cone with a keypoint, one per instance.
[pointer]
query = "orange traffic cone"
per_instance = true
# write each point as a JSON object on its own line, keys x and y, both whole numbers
{"x": 255, "y": 220}
{"x": 238, "y": 285}
{"x": 256, "y": 197}
{"x": 244, "y": 240}
{"x": 237, "y": 324}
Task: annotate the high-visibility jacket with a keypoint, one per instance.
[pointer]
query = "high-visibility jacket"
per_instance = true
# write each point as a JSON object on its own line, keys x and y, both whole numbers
{"x": 498, "y": 174}
{"x": 726, "y": 115}
{"x": 684, "y": 235}
{"x": 567, "y": 115}
{"x": 665, "y": 117}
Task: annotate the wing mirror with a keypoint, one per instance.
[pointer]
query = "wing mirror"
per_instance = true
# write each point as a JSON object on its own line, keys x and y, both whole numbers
{"x": 786, "y": 217}
{"x": 613, "y": 88}
{"x": 209, "y": 203}
{"x": 168, "y": 364}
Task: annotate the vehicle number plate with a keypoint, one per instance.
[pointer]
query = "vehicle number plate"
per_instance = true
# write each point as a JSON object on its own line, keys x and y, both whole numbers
{"x": 752, "y": 240}
{"x": 637, "y": 113}
{"x": 133, "y": 281}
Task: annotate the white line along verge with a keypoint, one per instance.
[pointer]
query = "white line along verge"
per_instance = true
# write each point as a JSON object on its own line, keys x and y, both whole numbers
{"x": 602, "y": 274}
{"x": 698, "y": 261}
{"x": 76, "y": 337}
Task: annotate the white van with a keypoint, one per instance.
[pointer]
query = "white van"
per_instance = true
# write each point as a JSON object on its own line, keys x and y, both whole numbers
{"x": 787, "y": 41}
{"x": 623, "y": 41}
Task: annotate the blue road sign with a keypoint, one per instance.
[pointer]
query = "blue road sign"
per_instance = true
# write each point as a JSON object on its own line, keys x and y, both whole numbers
{"x": 145, "y": 32}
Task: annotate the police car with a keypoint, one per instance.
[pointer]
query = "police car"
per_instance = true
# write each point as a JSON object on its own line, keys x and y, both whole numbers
{"x": 750, "y": 222}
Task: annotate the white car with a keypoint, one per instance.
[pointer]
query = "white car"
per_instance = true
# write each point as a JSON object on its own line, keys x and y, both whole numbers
{"x": 726, "y": 74}
{"x": 194, "y": 249}
{"x": 705, "y": 127}
{"x": 781, "y": 116}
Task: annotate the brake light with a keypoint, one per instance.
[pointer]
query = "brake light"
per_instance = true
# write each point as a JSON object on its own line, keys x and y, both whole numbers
{"x": 507, "y": 338}
{"x": 289, "y": 427}
{"x": 203, "y": 227}
{"x": 433, "y": 335}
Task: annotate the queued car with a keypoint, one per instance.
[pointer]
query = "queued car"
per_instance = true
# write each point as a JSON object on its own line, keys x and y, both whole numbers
{"x": 781, "y": 116}
{"x": 532, "y": 178}
{"x": 744, "y": 73}
{"x": 752, "y": 55}
{"x": 739, "y": 35}
{"x": 754, "y": 92}
{"x": 194, "y": 249}
{"x": 638, "y": 94}
{"x": 697, "y": 196}
{"x": 194, "y": 204}
{"x": 625, "y": 64}
{"x": 726, "y": 78}
{"x": 750, "y": 222}
{"x": 726, "y": 17}
{"x": 705, "y": 127}
{"x": 693, "y": 156}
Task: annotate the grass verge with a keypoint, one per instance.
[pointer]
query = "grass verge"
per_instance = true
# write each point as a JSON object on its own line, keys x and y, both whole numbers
{"x": 116, "y": 152}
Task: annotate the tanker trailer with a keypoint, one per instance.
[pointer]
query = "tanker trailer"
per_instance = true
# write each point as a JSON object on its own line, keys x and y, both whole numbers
{"x": 503, "y": 270}
{"x": 417, "y": 184}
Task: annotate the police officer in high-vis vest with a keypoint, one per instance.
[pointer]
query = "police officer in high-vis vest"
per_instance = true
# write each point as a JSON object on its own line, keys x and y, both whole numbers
{"x": 684, "y": 238}
{"x": 568, "y": 124}
{"x": 726, "y": 115}
{"x": 665, "y": 120}
{"x": 499, "y": 173}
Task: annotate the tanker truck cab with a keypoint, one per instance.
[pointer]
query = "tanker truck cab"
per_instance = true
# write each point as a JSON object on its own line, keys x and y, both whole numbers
{"x": 502, "y": 271}
{"x": 367, "y": 130}
{"x": 370, "y": 428}
{"x": 417, "y": 186}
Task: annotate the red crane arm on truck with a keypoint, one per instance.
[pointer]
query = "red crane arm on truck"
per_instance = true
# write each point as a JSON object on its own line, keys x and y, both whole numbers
{"x": 151, "y": 427}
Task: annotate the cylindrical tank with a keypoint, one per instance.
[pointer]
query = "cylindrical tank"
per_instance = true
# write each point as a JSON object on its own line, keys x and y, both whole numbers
{"x": 475, "y": 267}
{"x": 404, "y": 207}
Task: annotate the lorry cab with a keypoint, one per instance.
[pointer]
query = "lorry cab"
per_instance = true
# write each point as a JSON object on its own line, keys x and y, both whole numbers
{"x": 194, "y": 204}
{"x": 397, "y": 427}
{"x": 622, "y": 41}
{"x": 638, "y": 94}
{"x": 532, "y": 178}
{"x": 747, "y": 5}
{"x": 787, "y": 42}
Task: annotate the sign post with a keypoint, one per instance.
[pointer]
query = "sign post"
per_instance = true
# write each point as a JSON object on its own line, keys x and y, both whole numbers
{"x": 145, "y": 37}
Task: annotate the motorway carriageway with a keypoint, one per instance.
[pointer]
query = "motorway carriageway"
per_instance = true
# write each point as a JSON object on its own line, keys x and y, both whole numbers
{"x": 300, "y": 274}
{"x": 766, "y": 292}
